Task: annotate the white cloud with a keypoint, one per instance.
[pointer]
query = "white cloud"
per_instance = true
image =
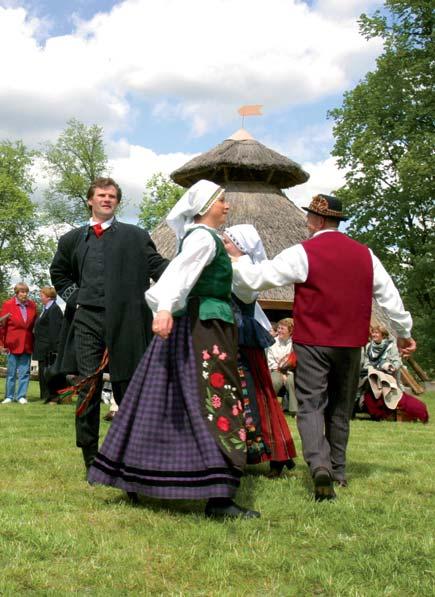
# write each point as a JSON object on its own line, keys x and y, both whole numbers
{"x": 197, "y": 59}
{"x": 346, "y": 8}
{"x": 325, "y": 177}
{"x": 309, "y": 143}
{"x": 133, "y": 166}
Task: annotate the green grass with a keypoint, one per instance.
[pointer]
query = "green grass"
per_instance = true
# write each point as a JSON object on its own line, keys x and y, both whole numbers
{"x": 60, "y": 536}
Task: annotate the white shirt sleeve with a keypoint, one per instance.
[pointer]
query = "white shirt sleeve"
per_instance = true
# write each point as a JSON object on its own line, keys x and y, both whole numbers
{"x": 288, "y": 267}
{"x": 245, "y": 294}
{"x": 172, "y": 289}
{"x": 388, "y": 298}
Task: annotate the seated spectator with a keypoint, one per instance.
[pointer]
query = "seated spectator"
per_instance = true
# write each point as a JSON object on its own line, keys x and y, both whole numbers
{"x": 275, "y": 355}
{"x": 381, "y": 394}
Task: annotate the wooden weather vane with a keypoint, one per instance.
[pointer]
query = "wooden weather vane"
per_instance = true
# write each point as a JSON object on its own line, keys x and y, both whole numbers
{"x": 250, "y": 110}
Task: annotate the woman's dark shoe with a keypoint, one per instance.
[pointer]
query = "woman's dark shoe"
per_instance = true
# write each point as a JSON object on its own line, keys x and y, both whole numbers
{"x": 226, "y": 508}
{"x": 277, "y": 466}
{"x": 323, "y": 485}
{"x": 133, "y": 498}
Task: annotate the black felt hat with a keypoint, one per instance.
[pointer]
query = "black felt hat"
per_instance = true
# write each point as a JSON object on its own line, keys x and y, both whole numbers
{"x": 326, "y": 206}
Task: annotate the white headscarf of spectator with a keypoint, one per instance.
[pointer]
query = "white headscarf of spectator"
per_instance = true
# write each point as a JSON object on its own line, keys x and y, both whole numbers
{"x": 247, "y": 239}
{"x": 196, "y": 201}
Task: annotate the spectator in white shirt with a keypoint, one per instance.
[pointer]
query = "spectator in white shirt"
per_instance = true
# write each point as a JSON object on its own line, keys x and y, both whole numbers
{"x": 275, "y": 355}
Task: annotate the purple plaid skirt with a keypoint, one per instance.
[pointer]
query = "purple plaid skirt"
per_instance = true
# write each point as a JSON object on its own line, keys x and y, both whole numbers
{"x": 159, "y": 444}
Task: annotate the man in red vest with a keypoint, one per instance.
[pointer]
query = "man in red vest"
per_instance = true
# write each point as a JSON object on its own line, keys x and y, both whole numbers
{"x": 335, "y": 279}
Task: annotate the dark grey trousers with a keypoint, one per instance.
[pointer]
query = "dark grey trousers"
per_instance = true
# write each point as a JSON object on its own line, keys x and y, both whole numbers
{"x": 326, "y": 381}
{"x": 89, "y": 338}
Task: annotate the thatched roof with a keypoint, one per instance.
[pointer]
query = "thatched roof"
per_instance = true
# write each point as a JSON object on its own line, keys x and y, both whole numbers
{"x": 241, "y": 159}
{"x": 278, "y": 221}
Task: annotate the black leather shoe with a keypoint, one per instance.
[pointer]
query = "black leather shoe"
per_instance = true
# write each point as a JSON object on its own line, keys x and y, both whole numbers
{"x": 109, "y": 416}
{"x": 133, "y": 498}
{"x": 231, "y": 510}
{"x": 276, "y": 467}
{"x": 323, "y": 485}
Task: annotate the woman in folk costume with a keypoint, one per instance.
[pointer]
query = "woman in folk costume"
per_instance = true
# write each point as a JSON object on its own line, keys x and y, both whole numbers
{"x": 179, "y": 433}
{"x": 268, "y": 435}
{"x": 381, "y": 394}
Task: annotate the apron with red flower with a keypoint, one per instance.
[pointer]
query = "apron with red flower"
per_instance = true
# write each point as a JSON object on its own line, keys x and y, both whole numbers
{"x": 214, "y": 336}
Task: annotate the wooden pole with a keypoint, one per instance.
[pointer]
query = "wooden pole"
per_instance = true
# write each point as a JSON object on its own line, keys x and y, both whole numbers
{"x": 420, "y": 372}
{"x": 410, "y": 381}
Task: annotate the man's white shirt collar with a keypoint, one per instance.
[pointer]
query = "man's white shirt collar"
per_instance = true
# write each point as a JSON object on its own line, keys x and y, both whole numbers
{"x": 327, "y": 230}
{"x": 104, "y": 225}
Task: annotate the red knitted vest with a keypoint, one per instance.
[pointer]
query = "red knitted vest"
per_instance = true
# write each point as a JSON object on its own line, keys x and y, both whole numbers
{"x": 333, "y": 306}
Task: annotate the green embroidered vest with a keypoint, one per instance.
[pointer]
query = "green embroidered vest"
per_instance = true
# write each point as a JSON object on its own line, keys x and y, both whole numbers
{"x": 213, "y": 287}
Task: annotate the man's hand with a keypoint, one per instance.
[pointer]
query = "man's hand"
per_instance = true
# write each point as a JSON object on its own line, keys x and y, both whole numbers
{"x": 406, "y": 346}
{"x": 162, "y": 324}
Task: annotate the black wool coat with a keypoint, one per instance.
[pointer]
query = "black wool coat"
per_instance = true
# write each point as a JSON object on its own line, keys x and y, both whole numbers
{"x": 131, "y": 259}
{"x": 46, "y": 333}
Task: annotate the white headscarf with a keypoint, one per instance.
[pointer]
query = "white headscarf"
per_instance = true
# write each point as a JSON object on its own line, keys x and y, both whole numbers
{"x": 247, "y": 239}
{"x": 196, "y": 201}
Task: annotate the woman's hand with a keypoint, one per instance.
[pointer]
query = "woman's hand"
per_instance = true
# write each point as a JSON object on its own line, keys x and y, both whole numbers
{"x": 233, "y": 251}
{"x": 162, "y": 324}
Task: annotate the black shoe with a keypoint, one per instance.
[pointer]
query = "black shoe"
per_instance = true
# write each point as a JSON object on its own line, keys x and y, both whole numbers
{"x": 341, "y": 482}
{"x": 109, "y": 416}
{"x": 323, "y": 485}
{"x": 276, "y": 467}
{"x": 133, "y": 498}
{"x": 228, "y": 510}
{"x": 89, "y": 453}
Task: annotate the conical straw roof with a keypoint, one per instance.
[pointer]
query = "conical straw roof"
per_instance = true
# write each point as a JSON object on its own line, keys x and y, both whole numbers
{"x": 241, "y": 159}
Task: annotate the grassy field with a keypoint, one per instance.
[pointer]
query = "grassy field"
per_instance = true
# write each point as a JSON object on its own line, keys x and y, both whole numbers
{"x": 60, "y": 536}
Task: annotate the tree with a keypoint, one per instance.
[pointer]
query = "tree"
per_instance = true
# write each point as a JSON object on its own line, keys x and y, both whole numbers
{"x": 22, "y": 248}
{"x": 160, "y": 196}
{"x": 384, "y": 137}
{"x": 74, "y": 161}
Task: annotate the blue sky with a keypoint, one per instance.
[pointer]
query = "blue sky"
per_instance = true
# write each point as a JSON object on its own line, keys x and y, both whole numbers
{"x": 165, "y": 78}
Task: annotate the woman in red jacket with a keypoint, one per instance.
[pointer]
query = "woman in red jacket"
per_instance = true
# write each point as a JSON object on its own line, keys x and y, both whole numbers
{"x": 16, "y": 336}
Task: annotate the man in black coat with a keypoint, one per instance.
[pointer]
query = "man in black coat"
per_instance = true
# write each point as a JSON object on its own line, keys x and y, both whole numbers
{"x": 102, "y": 271}
{"x": 46, "y": 334}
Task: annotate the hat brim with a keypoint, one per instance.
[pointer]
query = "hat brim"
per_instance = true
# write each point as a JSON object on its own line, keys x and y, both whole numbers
{"x": 311, "y": 211}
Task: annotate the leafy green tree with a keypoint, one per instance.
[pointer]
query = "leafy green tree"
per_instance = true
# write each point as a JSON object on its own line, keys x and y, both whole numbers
{"x": 384, "y": 138}
{"x": 160, "y": 196}
{"x": 23, "y": 248}
{"x": 73, "y": 162}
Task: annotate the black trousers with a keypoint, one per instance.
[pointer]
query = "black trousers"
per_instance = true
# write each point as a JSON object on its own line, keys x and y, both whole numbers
{"x": 44, "y": 391}
{"x": 326, "y": 380}
{"x": 90, "y": 344}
